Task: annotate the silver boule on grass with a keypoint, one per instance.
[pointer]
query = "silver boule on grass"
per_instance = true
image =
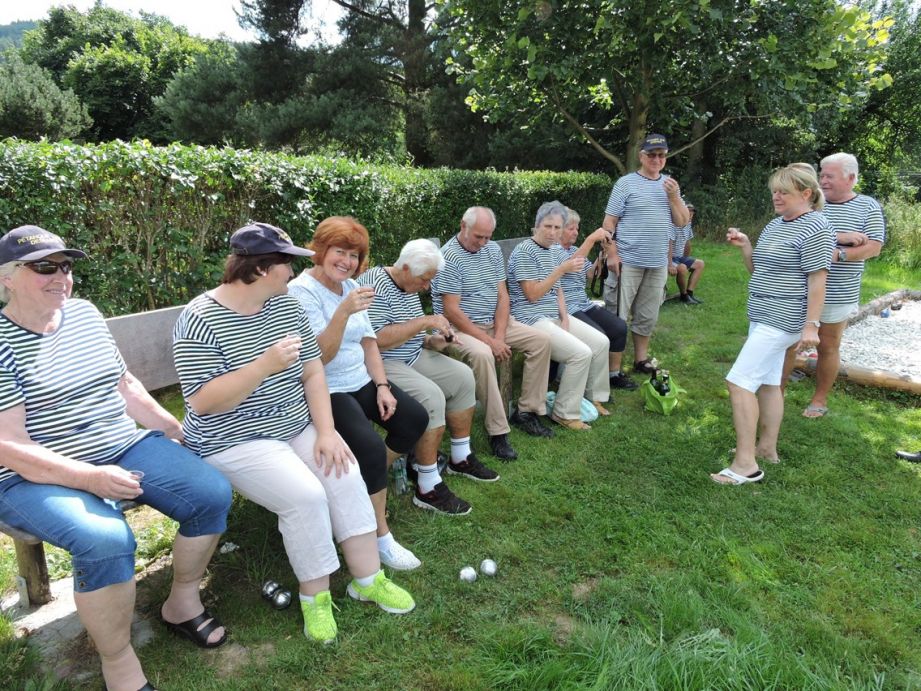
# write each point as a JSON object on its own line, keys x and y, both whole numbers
{"x": 467, "y": 574}
{"x": 488, "y": 567}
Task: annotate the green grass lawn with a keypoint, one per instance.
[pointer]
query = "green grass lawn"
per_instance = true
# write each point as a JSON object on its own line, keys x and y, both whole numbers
{"x": 621, "y": 565}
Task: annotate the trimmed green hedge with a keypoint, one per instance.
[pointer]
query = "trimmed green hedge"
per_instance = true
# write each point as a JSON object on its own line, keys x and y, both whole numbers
{"x": 156, "y": 220}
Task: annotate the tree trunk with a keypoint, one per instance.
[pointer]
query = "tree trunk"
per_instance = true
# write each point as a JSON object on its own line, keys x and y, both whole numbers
{"x": 415, "y": 86}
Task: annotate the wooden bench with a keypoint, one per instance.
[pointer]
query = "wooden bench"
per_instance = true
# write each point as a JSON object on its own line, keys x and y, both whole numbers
{"x": 145, "y": 340}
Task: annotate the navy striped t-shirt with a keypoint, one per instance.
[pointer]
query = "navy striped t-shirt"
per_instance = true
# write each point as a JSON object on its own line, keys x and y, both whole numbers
{"x": 862, "y": 214}
{"x": 392, "y": 305}
{"x": 530, "y": 261}
{"x": 644, "y": 220}
{"x": 574, "y": 284}
{"x": 474, "y": 276}
{"x": 68, "y": 382}
{"x": 786, "y": 253}
{"x": 210, "y": 340}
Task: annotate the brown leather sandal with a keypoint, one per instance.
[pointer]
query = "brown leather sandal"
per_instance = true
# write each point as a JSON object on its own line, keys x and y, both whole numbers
{"x": 569, "y": 424}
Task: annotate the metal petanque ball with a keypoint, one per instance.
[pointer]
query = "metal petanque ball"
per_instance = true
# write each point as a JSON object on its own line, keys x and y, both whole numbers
{"x": 269, "y": 588}
{"x": 467, "y": 574}
{"x": 488, "y": 567}
{"x": 281, "y": 599}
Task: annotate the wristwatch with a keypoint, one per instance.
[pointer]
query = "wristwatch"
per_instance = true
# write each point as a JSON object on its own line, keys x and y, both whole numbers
{"x": 842, "y": 255}
{"x": 815, "y": 322}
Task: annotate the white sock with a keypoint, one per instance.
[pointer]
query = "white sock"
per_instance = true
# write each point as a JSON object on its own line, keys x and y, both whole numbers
{"x": 367, "y": 580}
{"x": 428, "y": 477}
{"x": 385, "y": 542}
{"x": 307, "y": 598}
{"x": 460, "y": 449}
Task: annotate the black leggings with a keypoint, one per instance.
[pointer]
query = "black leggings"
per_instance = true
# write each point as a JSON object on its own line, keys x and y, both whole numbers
{"x": 607, "y": 323}
{"x": 353, "y": 414}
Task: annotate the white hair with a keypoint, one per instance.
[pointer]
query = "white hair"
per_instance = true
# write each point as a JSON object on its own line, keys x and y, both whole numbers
{"x": 7, "y": 270}
{"x": 471, "y": 215}
{"x": 421, "y": 256}
{"x": 553, "y": 208}
{"x": 574, "y": 216}
{"x": 848, "y": 163}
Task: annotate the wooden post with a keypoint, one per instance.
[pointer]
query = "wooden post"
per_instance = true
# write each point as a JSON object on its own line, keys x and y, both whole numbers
{"x": 34, "y": 571}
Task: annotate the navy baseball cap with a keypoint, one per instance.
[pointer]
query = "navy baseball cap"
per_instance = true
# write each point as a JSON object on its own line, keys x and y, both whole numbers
{"x": 30, "y": 243}
{"x": 262, "y": 238}
{"x": 654, "y": 141}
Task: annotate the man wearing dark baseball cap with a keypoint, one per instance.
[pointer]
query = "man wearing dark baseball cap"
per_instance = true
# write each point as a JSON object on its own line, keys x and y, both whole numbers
{"x": 641, "y": 210}
{"x": 262, "y": 238}
{"x": 31, "y": 243}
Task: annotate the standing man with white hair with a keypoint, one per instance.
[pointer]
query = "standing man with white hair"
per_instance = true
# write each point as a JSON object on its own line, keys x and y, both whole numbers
{"x": 640, "y": 213}
{"x": 860, "y": 231}
{"x": 471, "y": 292}
{"x": 413, "y": 361}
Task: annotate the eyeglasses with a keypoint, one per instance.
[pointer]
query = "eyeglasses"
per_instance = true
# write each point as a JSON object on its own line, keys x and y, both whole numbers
{"x": 660, "y": 154}
{"x": 46, "y": 267}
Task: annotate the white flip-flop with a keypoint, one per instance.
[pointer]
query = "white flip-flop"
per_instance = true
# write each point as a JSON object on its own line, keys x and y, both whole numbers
{"x": 738, "y": 479}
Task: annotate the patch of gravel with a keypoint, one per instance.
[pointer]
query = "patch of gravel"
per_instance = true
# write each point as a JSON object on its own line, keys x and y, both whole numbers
{"x": 891, "y": 344}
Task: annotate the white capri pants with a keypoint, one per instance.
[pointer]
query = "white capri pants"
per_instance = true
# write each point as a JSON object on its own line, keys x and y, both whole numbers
{"x": 760, "y": 362}
{"x": 584, "y": 351}
{"x": 312, "y": 508}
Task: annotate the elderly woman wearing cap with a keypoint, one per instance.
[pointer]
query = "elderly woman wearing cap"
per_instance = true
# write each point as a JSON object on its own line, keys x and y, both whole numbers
{"x": 258, "y": 410}
{"x": 69, "y": 443}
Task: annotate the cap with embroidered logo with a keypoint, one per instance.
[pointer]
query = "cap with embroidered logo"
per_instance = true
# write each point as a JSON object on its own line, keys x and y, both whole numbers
{"x": 654, "y": 141}
{"x": 30, "y": 243}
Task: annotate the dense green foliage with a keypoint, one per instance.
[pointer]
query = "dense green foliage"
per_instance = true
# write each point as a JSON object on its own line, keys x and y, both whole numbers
{"x": 116, "y": 64}
{"x": 165, "y": 213}
{"x": 32, "y": 106}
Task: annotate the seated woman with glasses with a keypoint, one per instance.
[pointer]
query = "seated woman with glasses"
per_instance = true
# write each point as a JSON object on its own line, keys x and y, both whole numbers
{"x": 70, "y": 449}
{"x": 258, "y": 410}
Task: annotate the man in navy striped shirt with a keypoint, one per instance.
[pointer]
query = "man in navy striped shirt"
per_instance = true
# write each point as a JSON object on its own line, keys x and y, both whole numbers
{"x": 860, "y": 231}
{"x": 471, "y": 292}
{"x": 641, "y": 210}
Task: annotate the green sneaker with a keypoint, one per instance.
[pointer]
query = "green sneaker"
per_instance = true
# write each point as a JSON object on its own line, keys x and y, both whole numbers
{"x": 385, "y": 593}
{"x": 319, "y": 624}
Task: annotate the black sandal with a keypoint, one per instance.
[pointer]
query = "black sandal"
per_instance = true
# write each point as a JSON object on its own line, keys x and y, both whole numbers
{"x": 199, "y": 636}
{"x": 644, "y": 366}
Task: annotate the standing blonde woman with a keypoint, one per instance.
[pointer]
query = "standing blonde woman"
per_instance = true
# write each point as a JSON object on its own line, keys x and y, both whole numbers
{"x": 786, "y": 292}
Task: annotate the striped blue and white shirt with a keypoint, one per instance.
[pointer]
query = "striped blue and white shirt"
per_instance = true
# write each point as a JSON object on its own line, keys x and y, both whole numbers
{"x": 392, "y": 305}
{"x": 786, "y": 253}
{"x": 474, "y": 276}
{"x": 530, "y": 261}
{"x": 346, "y": 372}
{"x": 680, "y": 237}
{"x": 862, "y": 214}
{"x": 573, "y": 284}
{"x": 644, "y": 220}
{"x": 210, "y": 340}
{"x": 68, "y": 383}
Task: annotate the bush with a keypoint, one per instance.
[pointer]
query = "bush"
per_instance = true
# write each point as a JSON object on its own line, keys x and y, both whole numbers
{"x": 903, "y": 229}
{"x": 156, "y": 220}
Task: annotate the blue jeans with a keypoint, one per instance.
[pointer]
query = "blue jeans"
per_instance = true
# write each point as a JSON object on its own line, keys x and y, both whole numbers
{"x": 176, "y": 483}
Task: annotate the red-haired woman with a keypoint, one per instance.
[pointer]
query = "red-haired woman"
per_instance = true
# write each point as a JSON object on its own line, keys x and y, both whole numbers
{"x": 360, "y": 393}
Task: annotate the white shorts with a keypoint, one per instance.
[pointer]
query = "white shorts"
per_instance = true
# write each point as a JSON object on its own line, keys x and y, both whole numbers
{"x": 834, "y": 314}
{"x": 760, "y": 362}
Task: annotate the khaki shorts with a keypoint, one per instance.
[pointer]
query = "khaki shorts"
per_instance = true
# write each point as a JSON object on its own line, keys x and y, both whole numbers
{"x": 641, "y": 294}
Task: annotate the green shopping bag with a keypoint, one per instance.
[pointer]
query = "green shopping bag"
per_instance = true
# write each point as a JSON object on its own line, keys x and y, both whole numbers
{"x": 658, "y": 403}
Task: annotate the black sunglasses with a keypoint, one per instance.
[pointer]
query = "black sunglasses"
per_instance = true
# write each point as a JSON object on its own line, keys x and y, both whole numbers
{"x": 46, "y": 267}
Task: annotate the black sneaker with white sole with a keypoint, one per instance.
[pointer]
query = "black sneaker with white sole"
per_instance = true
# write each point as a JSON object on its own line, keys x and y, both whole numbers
{"x": 473, "y": 469}
{"x": 441, "y": 500}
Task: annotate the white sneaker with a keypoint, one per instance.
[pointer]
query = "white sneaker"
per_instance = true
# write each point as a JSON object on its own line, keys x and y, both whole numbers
{"x": 399, "y": 558}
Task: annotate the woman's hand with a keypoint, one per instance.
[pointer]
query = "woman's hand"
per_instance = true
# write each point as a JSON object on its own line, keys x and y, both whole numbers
{"x": 599, "y": 235}
{"x": 113, "y": 482}
{"x": 573, "y": 264}
{"x": 673, "y": 269}
{"x": 329, "y": 452}
{"x": 386, "y": 403}
{"x": 736, "y": 237}
{"x": 809, "y": 338}
{"x": 281, "y": 355}
{"x": 357, "y": 300}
